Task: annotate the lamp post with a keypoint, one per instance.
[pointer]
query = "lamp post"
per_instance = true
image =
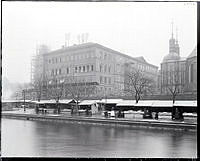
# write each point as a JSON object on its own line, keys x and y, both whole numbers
{"x": 24, "y": 99}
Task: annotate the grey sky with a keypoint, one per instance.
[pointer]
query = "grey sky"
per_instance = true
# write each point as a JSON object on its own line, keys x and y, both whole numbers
{"x": 135, "y": 29}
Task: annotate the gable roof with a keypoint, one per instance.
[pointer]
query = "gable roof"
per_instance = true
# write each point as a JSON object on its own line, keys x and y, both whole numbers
{"x": 193, "y": 53}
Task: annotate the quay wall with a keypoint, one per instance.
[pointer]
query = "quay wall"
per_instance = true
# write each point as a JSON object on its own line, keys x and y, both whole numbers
{"x": 110, "y": 122}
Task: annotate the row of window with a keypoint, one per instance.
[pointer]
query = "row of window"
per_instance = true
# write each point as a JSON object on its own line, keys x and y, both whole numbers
{"x": 78, "y": 69}
{"x": 105, "y": 80}
{"x": 105, "y": 68}
{"x": 85, "y": 68}
{"x": 82, "y": 56}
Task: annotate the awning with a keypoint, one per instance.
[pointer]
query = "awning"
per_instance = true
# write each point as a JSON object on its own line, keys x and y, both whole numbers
{"x": 126, "y": 103}
{"x": 186, "y": 103}
{"x": 161, "y": 103}
{"x": 87, "y": 102}
{"x": 144, "y": 103}
{"x": 46, "y": 102}
{"x": 111, "y": 101}
{"x": 65, "y": 101}
{"x": 15, "y": 101}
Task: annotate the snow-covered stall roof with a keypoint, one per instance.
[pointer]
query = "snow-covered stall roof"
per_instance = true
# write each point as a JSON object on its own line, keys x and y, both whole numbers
{"x": 162, "y": 103}
{"x": 144, "y": 103}
{"x": 88, "y": 102}
{"x": 111, "y": 101}
{"x": 65, "y": 101}
{"x": 186, "y": 103}
{"x": 11, "y": 101}
{"x": 126, "y": 103}
{"x": 46, "y": 102}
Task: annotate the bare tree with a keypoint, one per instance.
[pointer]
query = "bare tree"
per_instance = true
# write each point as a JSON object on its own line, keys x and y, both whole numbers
{"x": 78, "y": 90}
{"x": 55, "y": 90}
{"x": 138, "y": 84}
{"x": 38, "y": 87}
{"x": 174, "y": 86}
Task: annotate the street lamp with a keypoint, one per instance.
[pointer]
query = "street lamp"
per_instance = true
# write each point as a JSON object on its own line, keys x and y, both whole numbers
{"x": 23, "y": 91}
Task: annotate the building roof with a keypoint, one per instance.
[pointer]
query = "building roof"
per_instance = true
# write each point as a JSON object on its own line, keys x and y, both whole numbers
{"x": 171, "y": 57}
{"x": 141, "y": 58}
{"x": 193, "y": 53}
{"x": 90, "y": 44}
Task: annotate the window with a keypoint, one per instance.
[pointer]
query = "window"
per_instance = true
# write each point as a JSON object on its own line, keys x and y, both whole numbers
{"x": 60, "y": 60}
{"x": 101, "y": 79}
{"x": 191, "y": 72}
{"x": 59, "y": 72}
{"x": 79, "y": 69}
{"x": 56, "y": 72}
{"x": 109, "y": 69}
{"x": 92, "y": 67}
{"x": 105, "y": 68}
{"x": 52, "y": 72}
{"x": 88, "y": 68}
{"x": 105, "y": 80}
{"x": 105, "y": 55}
{"x": 56, "y": 60}
{"x": 68, "y": 70}
{"x": 49, "y": 61}
{"x": 109, "y": 80}
{"x": 83, "y": 68}
{"x": 76, "y": 69}
{"x": 100, "y": 68}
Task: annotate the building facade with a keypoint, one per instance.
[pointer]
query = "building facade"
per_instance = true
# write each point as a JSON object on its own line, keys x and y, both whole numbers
{"x": 88, "y": 64}
{"x": 178, "y": 74}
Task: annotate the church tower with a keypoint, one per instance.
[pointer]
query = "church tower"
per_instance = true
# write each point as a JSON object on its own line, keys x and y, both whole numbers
{"x": 173, "y": 43}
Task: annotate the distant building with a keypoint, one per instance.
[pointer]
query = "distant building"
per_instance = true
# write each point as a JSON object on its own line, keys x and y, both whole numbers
{"x": 89, "y": 64}
{"x": 178, "y": 72}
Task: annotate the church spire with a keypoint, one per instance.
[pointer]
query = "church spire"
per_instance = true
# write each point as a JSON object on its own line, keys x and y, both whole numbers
{"x": 176, "y": 35}
{"x": 172, "y": 28}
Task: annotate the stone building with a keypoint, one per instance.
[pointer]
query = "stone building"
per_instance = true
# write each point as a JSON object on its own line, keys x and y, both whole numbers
{"x": 178, "y": 73}
{"x": 88, "y": 64}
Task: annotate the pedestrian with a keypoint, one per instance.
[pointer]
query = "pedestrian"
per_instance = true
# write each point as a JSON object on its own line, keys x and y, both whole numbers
{"x": 156, "y": 116}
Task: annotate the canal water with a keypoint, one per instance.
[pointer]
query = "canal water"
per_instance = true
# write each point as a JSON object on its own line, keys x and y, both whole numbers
{"x": 50, "y": 139}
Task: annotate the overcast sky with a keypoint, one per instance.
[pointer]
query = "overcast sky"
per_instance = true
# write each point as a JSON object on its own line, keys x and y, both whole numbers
{"x": 135, "y": 29}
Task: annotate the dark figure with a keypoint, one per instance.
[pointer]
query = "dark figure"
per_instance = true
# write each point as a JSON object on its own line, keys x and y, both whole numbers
{"x": 87, "y": 112}
{"x": 156, "y": 116}
{"x": 106, "y": 114}
{"x": 24, "y": 108}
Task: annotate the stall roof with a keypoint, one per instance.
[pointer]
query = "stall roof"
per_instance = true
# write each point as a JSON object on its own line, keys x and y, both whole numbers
{"x": 88, "y": 102}
{"x": 9, "y": 101}
{"x": 126, "y": 103}
{"x": 162, "y": 103}
{"x": 186, "y": 103}
{"x": 65, "y": 101}
{"x": 46, "y": 102}
{"x": 144, "y": 103}
{"x": 111, "y": 101}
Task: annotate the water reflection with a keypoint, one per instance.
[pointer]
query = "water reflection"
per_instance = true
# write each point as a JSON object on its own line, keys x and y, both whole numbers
{"x": 37, "y": 138}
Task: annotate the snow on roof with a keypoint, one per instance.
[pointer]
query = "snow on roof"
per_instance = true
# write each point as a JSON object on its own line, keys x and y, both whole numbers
{"x": 65, "y": 101}
{"x": 111, "y": 101}
{"x": 9, "y": 101}
{"x": 88, "y": 102}
{"x": 46, "y": 102}
{"x": 145, "y": 103}
{"x": 161, "y": 103}
{"x": 186, "y": 103}
{"x": 126, "y": 103}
